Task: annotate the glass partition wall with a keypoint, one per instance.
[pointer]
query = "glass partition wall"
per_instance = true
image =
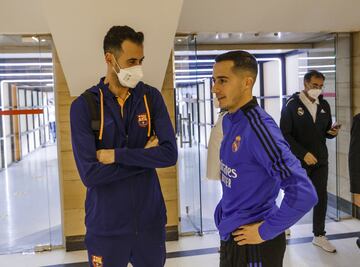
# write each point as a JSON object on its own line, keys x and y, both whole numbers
{"x": 30, "y": 211}
{"x": 280, "y": 75}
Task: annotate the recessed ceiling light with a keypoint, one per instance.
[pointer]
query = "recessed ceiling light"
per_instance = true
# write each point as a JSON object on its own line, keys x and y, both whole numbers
{"x": 224, "y": 35}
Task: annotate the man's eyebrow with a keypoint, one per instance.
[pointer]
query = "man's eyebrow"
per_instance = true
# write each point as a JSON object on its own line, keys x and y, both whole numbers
{"x": 133, "y": 59}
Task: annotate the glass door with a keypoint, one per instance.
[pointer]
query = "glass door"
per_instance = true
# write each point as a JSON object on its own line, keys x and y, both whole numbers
{"x": 187, "y": 86}
{"x": 30, "y": 211}
{"x": 322, "y": 57}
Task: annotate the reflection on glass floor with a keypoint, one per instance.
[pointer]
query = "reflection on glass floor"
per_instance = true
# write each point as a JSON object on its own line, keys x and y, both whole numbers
{"x": 30, "y": 211}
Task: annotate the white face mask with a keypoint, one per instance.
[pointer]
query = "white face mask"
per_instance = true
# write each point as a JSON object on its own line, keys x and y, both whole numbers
{"x": 130, "y": 77}
{"x": 314, "y": 93}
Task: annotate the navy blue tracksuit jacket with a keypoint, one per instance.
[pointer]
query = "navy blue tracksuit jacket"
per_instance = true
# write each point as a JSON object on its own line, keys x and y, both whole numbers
{"x": 123, "y": 197}
{"x": 302, "y": 133}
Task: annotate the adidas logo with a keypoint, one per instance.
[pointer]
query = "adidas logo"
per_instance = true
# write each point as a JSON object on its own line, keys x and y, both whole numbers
{"x": 322, "y": 111}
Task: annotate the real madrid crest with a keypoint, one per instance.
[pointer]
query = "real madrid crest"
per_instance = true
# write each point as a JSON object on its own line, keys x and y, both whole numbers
{"x": 300, "y": 111}
{"x": 236, "y": 144}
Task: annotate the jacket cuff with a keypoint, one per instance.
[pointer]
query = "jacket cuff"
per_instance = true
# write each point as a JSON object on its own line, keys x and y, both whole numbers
{"x": 330, "y": 136}
{"x": 118, "y": 152}
{"x": 301, "y": 154}
{"x": 265, "y": 232}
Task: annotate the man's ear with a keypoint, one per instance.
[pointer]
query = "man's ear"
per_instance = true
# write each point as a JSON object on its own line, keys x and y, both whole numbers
{"x": 250, "y": 81}
{"x": 109, "y": 58}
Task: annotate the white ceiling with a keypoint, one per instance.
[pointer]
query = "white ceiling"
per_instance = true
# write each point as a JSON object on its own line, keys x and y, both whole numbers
{"x": 19, "y": 16}
{"x": 270, "y": 16}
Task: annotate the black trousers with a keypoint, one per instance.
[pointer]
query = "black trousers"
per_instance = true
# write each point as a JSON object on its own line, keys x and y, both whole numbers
{"x": 267, "y": 254}
{"x": 319, "y": 177}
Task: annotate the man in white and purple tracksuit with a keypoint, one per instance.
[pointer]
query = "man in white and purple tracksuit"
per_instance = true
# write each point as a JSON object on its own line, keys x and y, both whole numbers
{"x": 256, "y": 162}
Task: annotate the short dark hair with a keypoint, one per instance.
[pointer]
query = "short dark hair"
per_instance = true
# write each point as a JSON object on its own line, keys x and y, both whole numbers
{"x": 313, "y": 73}
{"x": 117, "y": 35}
{"x": 242, "y": 61}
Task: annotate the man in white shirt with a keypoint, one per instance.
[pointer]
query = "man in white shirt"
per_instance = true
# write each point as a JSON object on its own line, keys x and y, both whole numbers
{"x": 213, "y": 155}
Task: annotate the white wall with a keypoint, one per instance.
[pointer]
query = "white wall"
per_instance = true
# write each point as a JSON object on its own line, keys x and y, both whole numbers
{"x": 22, "y": 16}
{"x": 79, "y": 36}
{"x": 78, "y": 28}
{"x": 272, "y": 87}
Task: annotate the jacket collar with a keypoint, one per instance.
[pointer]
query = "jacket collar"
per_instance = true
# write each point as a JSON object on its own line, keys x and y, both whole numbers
{"x": 296, "y": 96}
{"x": 250, "y": 105}
{"x": 237, "y": 115}
{"x": 136, "y": 92}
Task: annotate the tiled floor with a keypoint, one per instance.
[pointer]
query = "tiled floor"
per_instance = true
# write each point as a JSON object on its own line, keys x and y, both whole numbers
{"x": 204, "y": 251}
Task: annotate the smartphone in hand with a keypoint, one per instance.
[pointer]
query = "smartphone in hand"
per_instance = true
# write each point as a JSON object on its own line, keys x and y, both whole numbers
{"x": 336, "y": 125}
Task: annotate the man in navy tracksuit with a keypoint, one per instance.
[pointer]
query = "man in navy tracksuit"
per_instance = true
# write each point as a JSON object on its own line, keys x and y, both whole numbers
{"x": 125, "y": 209}
{"x": 306, "y": 123}
{"x": 255, "y": 163}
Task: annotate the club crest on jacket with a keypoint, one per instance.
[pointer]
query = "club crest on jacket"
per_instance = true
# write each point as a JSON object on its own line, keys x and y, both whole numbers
{"x": 236, "y": 144}
{"x": 142, "y": 120}
{"x": 300, "y": 111}
{"x": 97, "y": 261}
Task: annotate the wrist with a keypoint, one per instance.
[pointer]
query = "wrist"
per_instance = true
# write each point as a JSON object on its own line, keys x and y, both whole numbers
{"x": 117, "y": 155}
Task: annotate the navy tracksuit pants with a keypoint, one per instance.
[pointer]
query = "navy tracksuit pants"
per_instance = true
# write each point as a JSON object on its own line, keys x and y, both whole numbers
{"x": 146, "y": 249}
{"x": 267, "y": 254}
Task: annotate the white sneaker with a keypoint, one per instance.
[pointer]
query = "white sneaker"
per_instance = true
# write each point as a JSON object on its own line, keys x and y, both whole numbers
{"x": 288, "y": 232}
{"x": 321, "y": 241}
